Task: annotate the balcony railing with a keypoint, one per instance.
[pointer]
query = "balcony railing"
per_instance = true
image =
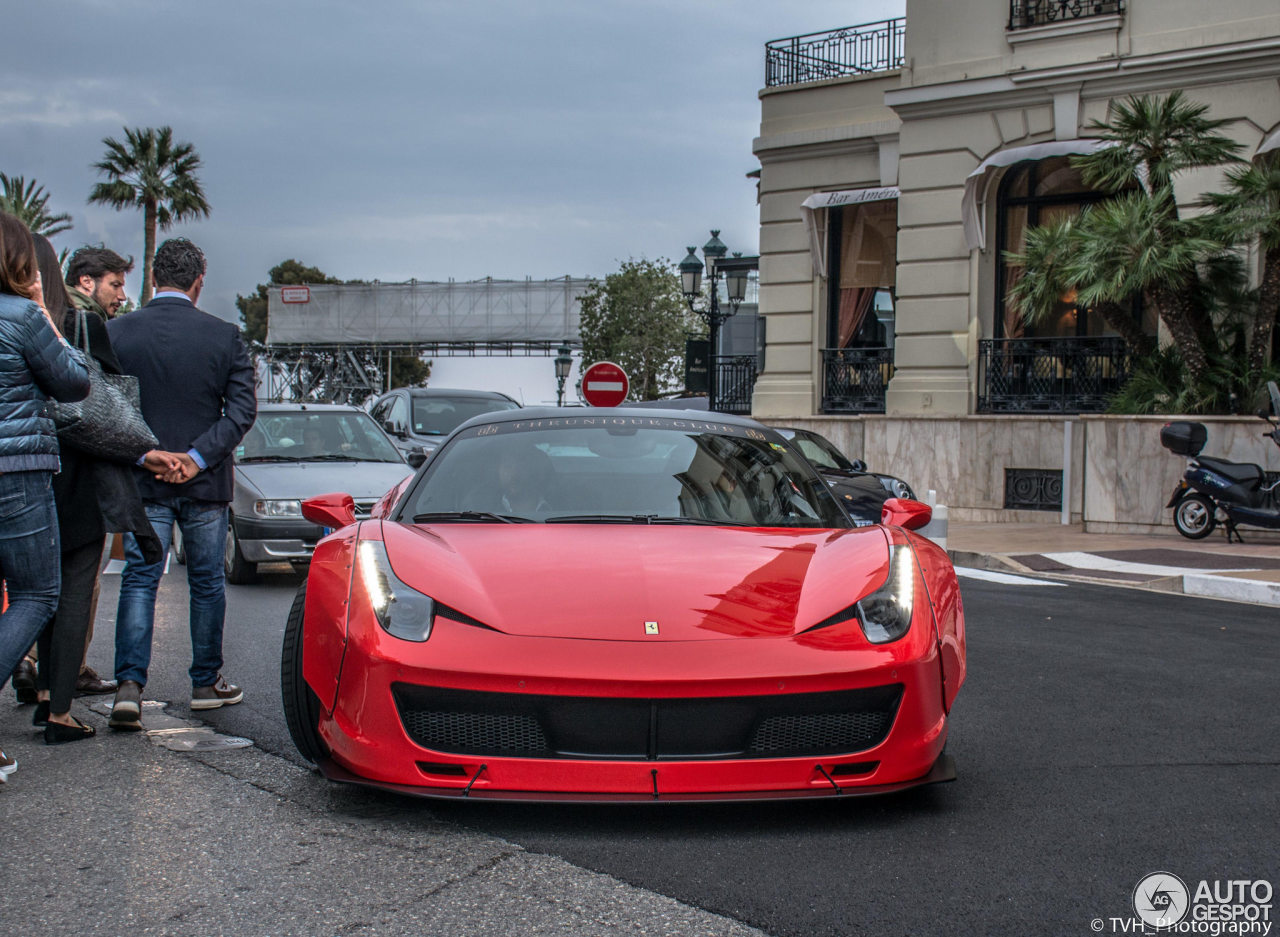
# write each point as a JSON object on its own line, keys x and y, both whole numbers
{"x": 854, "y": 379}
{"x": 1025, "y": 13}
{"x": 1050, "y": 375}
{"x": 735, "y": 383}
{"x": 854, "y": 50}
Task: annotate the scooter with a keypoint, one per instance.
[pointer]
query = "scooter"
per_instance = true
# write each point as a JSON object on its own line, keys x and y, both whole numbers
{"x": 1214, "y": 491}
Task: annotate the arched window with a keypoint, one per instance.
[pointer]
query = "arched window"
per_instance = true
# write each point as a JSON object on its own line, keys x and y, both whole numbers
{"x": 1039, "y": 192}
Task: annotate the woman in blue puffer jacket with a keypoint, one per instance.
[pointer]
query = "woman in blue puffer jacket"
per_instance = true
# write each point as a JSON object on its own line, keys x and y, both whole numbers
{"x": 35, "y": 365}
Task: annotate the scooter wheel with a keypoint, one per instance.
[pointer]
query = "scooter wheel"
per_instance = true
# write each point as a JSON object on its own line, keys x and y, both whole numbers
{"x": 1194, "y": 518}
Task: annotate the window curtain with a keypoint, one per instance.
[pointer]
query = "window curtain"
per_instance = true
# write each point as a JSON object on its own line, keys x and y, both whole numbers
{"x": 868, "y": 258}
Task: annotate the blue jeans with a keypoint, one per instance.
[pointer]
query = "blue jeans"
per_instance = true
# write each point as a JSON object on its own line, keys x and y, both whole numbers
{"x": 29, "y": 562}
{"x": 204, "y": 537}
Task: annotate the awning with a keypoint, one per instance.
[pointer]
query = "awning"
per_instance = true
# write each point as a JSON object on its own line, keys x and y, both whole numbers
{"x": 810, "y": 207}
{"x": 1269, "y": 143}
{"x": 977, "y": 186}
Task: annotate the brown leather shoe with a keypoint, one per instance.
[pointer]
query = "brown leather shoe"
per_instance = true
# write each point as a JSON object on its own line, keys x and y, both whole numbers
{"x": 89, "y": 683}
{"x": 24, "y": 681}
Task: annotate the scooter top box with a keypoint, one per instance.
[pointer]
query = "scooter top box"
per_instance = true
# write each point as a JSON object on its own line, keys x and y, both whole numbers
{"x": 1184, "y": 438}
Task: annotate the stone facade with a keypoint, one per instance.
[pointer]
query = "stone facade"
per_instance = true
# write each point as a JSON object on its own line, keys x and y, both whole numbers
{"x": 970, "y": 87}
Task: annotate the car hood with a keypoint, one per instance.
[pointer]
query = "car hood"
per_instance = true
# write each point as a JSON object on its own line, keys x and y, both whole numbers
{"x": 362, "y": 480}
{"x": 605, "y": 581}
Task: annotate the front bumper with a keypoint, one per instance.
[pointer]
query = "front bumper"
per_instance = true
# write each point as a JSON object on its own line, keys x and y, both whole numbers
{"x": 267, "y": 541}
{"x": 370, "y": 744}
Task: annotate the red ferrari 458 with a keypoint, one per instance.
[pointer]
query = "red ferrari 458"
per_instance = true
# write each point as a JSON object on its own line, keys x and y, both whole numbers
{"x": 622, "y": 605}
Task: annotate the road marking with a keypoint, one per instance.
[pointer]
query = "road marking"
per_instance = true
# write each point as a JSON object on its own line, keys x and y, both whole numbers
{"x": 1093, "y": 561}
{"x": 1006, "y": 578}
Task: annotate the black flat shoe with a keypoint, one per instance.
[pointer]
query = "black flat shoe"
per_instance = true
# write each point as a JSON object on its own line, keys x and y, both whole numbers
{"x": 41, "y": 716}
{"x": 55, "y": 733}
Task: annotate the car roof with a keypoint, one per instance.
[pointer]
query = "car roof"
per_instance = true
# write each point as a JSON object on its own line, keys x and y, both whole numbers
{"x": 451, "y": 392}
{"x": 307, "y": 407}
{"x": 581, "y": 413}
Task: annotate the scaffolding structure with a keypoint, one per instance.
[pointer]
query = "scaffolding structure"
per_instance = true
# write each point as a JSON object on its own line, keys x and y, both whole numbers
{"x": 338, "y": 342}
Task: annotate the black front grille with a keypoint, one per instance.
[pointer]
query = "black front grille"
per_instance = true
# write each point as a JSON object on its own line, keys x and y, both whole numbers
{"x": 516, "y": 725}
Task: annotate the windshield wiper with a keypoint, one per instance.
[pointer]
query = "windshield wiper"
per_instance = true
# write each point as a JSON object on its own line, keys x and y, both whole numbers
{"x": 336, "y": 457}
{"x": 627, "y": 519}
{"x": 469, "y": 516}
{"x": 268, "y": 458}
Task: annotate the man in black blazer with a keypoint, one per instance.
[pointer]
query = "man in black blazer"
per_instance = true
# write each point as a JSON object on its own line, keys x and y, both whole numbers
{"x": 198, "y": 398}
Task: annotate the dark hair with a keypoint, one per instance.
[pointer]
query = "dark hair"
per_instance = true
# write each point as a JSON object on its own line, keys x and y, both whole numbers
{"x": 55, "y": 293}
{"x": 178, "y": 263}
{"x": 95, "y": 262}
{"x": 17, "y": 256}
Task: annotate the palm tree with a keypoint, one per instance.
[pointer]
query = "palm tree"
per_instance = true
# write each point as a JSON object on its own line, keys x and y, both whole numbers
{"x": 152, "y": 172}
{"x": 28, "y": 202}
{"x": 1058, "y": 254}
{"x": 1248, "y": 209}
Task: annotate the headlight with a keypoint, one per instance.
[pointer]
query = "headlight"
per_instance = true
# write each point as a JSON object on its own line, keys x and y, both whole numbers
{"x": 277, "y": 508}
{"x": 897, "y": 487}
{"x": 401, "y": 611}
{"x": 885, "y": 615}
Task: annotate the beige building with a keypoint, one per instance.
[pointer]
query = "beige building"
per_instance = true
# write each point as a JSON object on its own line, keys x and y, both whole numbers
{"x": 899, "y": 160}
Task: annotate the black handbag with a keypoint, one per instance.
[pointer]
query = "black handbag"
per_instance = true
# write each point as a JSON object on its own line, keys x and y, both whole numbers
{"x": 108, "y": 423}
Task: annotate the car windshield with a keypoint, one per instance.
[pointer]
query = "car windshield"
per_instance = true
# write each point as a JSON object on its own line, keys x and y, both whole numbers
{"x": 623, "y": 469}
{"x": 315, "y": 436}
{"x": 440, "y": 415}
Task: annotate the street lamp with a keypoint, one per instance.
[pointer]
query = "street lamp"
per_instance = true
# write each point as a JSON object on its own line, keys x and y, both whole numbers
{"x": 735, "y": 272}
{"x": 564, "y": 361}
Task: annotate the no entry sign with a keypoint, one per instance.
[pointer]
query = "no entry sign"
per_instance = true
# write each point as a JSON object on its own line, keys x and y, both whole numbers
{"x": 604, "y": 384}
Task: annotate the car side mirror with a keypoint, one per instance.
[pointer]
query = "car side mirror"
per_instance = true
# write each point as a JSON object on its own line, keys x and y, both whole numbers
{"x": 394, "y": 429}
{"x": 859, "y": 465}
{"x": 335, "y": 510}
{"x": 896, "y": 512}
{"x": 415, "y": 457}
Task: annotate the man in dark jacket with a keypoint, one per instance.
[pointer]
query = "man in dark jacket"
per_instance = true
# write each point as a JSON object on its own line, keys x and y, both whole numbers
{"x": 198, "y": 397}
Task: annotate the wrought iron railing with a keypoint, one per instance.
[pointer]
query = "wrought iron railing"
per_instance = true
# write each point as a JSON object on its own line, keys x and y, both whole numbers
{"x": 735, "y": 383}
{"x": 854, "y": 379}
{"x": 854, "y": 50}
{"x": 1024, "y": 13}
{"x": 1050, "y": 375}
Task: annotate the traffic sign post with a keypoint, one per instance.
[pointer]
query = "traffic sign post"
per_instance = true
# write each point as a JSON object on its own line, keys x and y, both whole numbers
{"x": 604, "y": 384}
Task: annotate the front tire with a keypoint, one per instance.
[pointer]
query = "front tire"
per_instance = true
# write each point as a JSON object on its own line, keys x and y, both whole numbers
{"x": 238, "y": 570}
{"x": 1194, "y": 517}
{"x": 301, "y": 706}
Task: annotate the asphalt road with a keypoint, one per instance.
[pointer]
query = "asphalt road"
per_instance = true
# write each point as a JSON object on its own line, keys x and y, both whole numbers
{"x": 1103, "y": 734}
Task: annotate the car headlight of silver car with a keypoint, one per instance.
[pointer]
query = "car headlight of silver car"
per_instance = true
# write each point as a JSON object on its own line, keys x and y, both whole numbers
{"x": 401, "y": 610}
{"x": 885, "y": 615}
{"x": 897, "y": 487}
{"x": 277, "y": 508}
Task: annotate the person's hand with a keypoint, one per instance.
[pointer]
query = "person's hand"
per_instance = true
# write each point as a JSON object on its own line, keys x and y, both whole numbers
{"x": 161, "y": 463}
{"x": 186, "y": 470}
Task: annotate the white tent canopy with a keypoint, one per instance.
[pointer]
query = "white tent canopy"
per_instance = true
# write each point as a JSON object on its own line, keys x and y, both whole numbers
{"x": 819, "y": 200}
{"x": 977, "y": 186}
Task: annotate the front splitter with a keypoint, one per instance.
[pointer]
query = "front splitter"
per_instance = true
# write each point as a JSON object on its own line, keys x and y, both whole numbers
{"x": 943, "y": 770}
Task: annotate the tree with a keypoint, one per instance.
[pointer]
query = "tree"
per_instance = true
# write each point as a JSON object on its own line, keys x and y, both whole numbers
{"x": 1248, "y": 209}
{"x": 28, "y": 203}
{"x": 151, "y": 172}
{"x": 638, "y": 319}
{"x": 1189, "y": 270}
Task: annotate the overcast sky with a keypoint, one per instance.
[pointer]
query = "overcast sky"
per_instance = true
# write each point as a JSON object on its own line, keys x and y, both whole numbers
{"x": 397, "y": 140}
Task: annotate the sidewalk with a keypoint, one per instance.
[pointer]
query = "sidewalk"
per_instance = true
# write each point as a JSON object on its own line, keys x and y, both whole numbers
{"x": 1241, "y": 572}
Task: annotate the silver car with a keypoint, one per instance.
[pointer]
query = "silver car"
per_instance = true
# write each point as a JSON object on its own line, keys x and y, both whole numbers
{"x": 294, "y": 451}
